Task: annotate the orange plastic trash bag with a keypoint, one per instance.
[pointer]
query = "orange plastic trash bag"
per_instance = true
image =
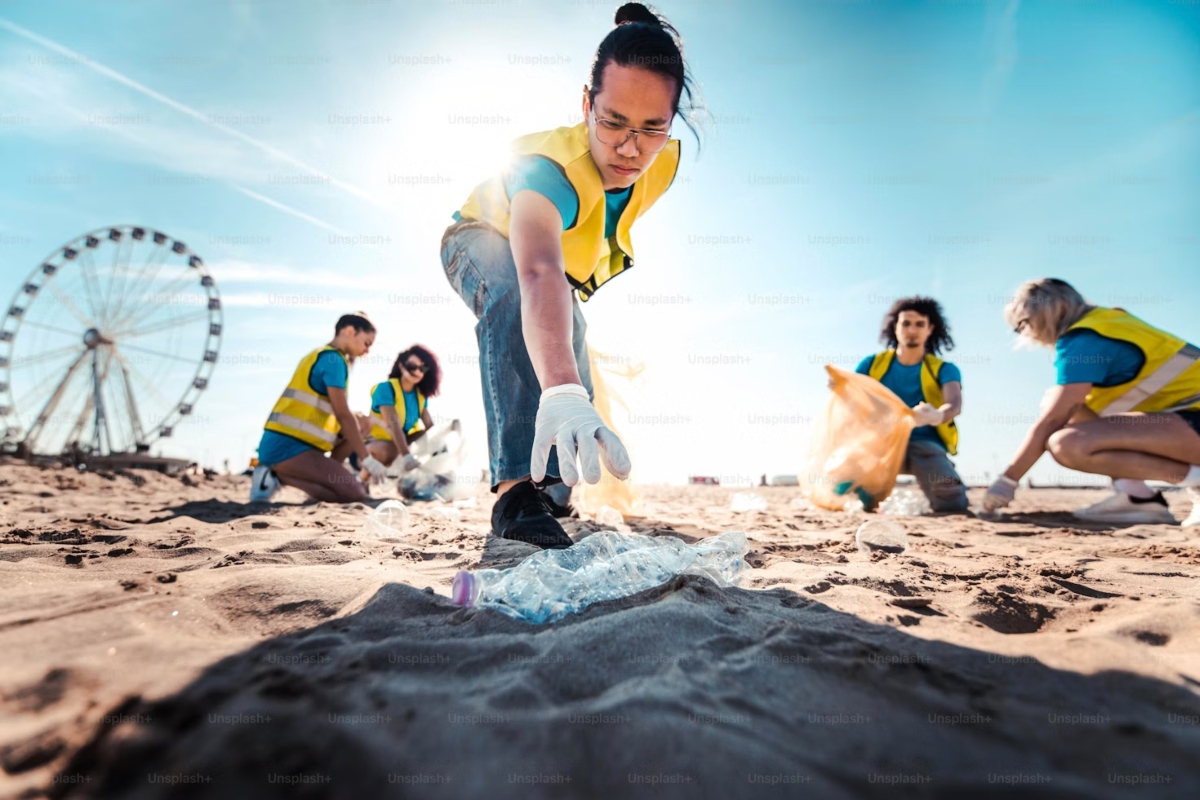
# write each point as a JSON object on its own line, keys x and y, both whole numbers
{"x": 618, "y": 494}
{"x": 859, "y": 444}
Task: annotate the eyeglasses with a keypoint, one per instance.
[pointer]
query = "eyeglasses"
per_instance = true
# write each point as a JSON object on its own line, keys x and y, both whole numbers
{"x": 1022, "y": 324}
{"x": 614, "y": 134}
{"x": 415, "y": 366}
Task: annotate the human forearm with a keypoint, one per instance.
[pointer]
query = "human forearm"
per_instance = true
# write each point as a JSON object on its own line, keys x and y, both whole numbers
{"x": 350, "y": 432}
{"x": 1031, "y": 448}
{"x": 547, "y": 325}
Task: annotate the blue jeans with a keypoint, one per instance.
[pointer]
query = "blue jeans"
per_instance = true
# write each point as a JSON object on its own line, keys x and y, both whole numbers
{"x": 928, "y": 462}
{"x": 479, "y": 265}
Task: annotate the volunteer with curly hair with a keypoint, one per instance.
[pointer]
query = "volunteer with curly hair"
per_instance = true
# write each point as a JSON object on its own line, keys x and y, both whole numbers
{"x": 399, "y": 406}
{"x": 557, "y": 223}
{"x": 915, "y": 332}
{"x": 1126, "y": 404}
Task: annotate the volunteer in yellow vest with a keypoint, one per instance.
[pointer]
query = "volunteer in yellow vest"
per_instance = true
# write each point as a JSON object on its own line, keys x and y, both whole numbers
{"x": 311, "y": 429}
{"x": 554, "y": 224}
{"x": 399, "y": 406}
{"x": 915, "y": 331}
{"x": 1126, "y": 404}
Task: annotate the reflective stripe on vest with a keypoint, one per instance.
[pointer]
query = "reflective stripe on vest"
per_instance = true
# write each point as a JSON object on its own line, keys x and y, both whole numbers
{"x": 1155, "y": 382}
{"x": 302, "y": 413}
{"x": 279, "y": 418}
{"x": 314, "y": 400}
{"x": 1169, "y": 378}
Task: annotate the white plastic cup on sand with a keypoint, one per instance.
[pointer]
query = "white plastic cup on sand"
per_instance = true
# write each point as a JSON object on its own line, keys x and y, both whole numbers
{"x": 742, "y": 502}
{"x": 389, "y": 520}
{"x": 878, "y": 534}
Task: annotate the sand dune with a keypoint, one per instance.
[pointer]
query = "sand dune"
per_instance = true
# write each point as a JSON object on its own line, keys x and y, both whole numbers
{"x": 161, "y": 637}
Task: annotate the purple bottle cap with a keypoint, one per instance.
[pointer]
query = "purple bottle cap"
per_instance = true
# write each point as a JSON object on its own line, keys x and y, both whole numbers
{"x": 464, "y": 591}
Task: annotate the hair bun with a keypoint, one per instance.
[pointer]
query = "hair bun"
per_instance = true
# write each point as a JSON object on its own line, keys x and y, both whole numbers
{"x": 636, "y": 12}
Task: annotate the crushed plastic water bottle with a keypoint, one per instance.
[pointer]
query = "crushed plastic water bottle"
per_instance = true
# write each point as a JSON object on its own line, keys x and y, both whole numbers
{"x": 905, "y": 503}
{"x": 747, "y": 501}
{"x": 801, "y": 503}
{"x": 552, "y": 584}
{"x": 880, "y": 535}
{"x": 389, "y": 520}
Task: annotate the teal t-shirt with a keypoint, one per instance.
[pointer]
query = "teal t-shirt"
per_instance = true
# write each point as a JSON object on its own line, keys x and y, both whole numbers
{"x": 1084, "y": 356}
{"x": 385, "y": 395}
{"x": 543, "y": 176}
{"x": 905, "y": 381}
{"x": 329, "y": 370}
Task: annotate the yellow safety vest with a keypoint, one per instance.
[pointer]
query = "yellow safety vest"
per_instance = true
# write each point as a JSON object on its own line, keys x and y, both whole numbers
{"x": 1169, "y": 379}
{"x": 379, "y": 427}
{"x": 930, "y": 388}
{"x": 304, "y": 413}
{"x": 589, "y": 259}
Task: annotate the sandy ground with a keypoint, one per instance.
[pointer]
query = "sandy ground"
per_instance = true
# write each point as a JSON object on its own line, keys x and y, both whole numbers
{"x": 160, "y": 638}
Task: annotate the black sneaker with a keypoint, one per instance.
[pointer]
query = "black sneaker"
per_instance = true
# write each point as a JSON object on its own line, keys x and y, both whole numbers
{"x": 521, "y": 515}
{"x": 558, "y": 499}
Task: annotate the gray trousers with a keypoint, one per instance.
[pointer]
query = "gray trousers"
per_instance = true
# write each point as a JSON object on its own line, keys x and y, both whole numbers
{"x": 930, "y": 464}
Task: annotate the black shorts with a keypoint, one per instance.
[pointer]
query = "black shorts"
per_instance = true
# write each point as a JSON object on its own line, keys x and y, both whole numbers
{"x": 1192, "y": 417}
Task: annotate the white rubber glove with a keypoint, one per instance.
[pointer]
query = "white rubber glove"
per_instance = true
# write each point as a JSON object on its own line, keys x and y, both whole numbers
{"x": 566, "y": 419}
{"x": 378, "y": 471}
{"x": 999, "y": 494}
{"x": 409, "y": 463}
{"x": 926, "y": 414}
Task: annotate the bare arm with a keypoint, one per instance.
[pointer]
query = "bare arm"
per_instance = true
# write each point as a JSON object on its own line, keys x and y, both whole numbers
{"x": 1061, "y": 404}
{"x": 951, "y": 406}
{"x": 546, "y": 314}
{"x": 341, "y": 410}
{"x": 392, "y": 420}
{"x": 428, "y": 420}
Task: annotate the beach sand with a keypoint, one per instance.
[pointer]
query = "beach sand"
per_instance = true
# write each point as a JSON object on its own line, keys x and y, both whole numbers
{"x": 161, "y": 638}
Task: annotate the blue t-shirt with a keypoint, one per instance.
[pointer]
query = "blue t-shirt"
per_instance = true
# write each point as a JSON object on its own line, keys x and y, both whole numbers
{"x": 905, "y": 381}
{"x": 541, "y": 175}
{"x": 329, "y": 370}
{"x": 385, "y": 395}
{"x": 1084, "y": 356}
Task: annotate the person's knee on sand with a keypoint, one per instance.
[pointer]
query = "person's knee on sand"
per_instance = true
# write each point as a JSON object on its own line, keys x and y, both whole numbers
{"x": 1069, "y": 446}
{"x": 929, "y": 463}
{"x": 947, "y": 495}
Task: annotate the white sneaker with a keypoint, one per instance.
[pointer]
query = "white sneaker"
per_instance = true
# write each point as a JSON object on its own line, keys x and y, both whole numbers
{"x": 1193, "y": 520}
{"x": 263, "y": 484}
{"x": 1123, "y": 508}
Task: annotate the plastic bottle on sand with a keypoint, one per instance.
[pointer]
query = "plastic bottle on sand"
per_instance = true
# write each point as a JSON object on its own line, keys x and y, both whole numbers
{"x": 880, "y": 535}
{"x": 389, "y": 520}
{"x": 551, "y": 584}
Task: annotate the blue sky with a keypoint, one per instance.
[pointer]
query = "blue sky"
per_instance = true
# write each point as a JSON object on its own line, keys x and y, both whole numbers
{"x": 312, "y": 151}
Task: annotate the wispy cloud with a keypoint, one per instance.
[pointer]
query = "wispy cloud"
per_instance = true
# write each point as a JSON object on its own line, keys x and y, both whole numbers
{"x": 194, "y": 114}
{"x": 237, "y": 271}
{"x": 1002, "y": 44}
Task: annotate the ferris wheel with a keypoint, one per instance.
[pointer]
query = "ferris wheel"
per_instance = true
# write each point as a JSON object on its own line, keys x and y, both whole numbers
{"x": 107, "y": 345}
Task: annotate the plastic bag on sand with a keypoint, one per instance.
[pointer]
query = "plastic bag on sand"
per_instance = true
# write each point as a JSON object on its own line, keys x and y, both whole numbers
{"x": 859, "y": 446}
{"x": 616, "y": 494}
{"x": 441, "y": 452}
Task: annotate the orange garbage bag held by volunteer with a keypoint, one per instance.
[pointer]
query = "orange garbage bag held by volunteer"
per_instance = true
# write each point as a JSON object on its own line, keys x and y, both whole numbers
{"x": 859, "y": 444}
